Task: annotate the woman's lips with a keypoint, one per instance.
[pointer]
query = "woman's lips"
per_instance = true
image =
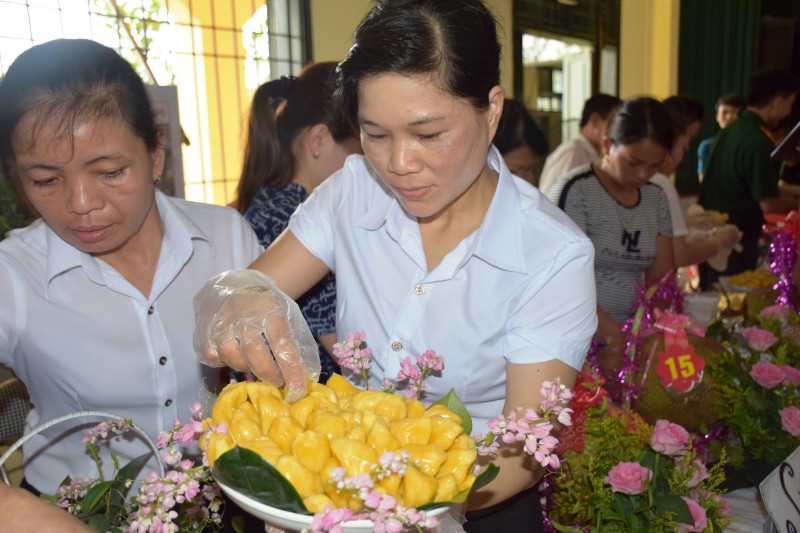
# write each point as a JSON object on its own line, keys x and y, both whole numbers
{"x": 416, "y": 193}
{"x": 91, "y": 235}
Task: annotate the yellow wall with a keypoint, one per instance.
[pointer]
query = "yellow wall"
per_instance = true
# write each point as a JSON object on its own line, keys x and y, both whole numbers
{"x": 333, "y": 23}
{"x": 649, "y": 48}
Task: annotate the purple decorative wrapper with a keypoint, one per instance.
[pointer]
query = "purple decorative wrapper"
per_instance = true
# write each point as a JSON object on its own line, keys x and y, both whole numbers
{"x": 782, "y": 258}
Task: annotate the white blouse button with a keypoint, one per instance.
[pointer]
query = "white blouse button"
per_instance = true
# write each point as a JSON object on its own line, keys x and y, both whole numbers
{"x": 419, "y": 289}
{"x": 397, "y": 346}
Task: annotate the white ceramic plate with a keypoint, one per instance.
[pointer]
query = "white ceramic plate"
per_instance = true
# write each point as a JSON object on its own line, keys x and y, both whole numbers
{"x": 293, "y": 521}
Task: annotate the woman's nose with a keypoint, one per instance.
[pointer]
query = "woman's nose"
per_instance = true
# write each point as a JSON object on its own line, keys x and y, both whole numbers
{"x": 402, "y": 159}
{"x": 83, "y": 197}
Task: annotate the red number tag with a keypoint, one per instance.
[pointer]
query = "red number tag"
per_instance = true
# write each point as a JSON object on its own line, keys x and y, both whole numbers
{"x": 680, "y": 368}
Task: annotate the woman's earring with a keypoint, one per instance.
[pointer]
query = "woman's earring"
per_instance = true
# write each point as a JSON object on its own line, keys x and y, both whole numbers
{"x": 316, "y": 155}
{"x": 605, "y": 158}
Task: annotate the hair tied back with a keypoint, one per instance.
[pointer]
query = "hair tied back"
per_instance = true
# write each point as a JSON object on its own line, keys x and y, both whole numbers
{"x": 281, "y": 87}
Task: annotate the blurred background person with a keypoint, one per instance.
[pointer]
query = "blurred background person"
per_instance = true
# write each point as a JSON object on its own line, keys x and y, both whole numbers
{"x": 741, "y": 178}
{"x": 586, "y": 146}
{"x": 520, "y": 141}
{"x": 295, "y": 140}
{"x": 727, "y": 109}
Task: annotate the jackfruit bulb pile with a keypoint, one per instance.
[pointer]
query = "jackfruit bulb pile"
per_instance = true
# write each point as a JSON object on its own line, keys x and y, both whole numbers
{"x": 694, "y": 409}
{"x": 339, "y": 425}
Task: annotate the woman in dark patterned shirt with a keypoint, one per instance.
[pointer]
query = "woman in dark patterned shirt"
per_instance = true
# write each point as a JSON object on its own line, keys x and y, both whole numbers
{"x": 295, "y": 140}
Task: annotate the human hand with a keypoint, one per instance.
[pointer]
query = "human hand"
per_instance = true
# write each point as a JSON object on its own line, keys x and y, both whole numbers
{"x": 698, "y": 218}
{"x": 245, "y": 322}
{"x": 726, "y": 237}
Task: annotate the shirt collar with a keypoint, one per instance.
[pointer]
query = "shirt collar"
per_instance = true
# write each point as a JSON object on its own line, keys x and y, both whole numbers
{"x": 499, "y": 238}
{"x": 179, "y": 233}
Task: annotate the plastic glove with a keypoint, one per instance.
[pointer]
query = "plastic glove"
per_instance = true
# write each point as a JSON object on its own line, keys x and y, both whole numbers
{"x": 726, "y": 238}
{"x": 698, "y": 218}
{"x": 242, "y": 320}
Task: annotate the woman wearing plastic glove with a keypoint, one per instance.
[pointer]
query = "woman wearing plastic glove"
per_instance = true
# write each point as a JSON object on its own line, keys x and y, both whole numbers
{"x": 434, "y": 243}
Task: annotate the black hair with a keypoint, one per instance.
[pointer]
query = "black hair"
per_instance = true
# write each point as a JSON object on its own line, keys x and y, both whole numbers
{"x": 517, "y": 128}
{"x": 642, "y": 118}
{"x": 766, "y": 84}
{"x": 280, "y": 111}
{"x": 69, "y": 80}
{"x": 732, "y": 99}
{"x": 454, "y": 41}
{"x": 602, "y": 104}
{"x": 684, "y": 111}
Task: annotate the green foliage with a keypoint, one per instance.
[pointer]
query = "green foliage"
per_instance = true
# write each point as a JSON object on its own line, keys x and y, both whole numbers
{"x": 13, "y": 213}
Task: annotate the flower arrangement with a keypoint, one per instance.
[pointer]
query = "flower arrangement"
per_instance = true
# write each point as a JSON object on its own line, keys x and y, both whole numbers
{"x": 757, "y": 387}
{"x": 185, "y": 498}
{"x": 627, "y": 475}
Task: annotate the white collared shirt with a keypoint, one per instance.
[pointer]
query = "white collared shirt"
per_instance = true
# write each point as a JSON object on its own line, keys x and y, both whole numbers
{"x": 567, "y": 156}
{"x": 82, "y": 338}
{"x": 520, "y": 289}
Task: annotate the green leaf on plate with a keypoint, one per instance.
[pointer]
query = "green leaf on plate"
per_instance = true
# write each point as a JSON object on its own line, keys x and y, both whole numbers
{"x": 248, "y": 473}
{"x": 96, "y": 495}
{"x": 452, "y": 402}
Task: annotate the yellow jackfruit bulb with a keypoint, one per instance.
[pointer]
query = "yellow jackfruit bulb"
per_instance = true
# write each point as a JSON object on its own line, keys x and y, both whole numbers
{"x": 367, "y": 419}
{"x": 218, "y": 443}
{"x": 357, "y": 433}
{"x": 256, "y": 388}
{"x": 266, "y": 448}
{"x": 463, "y": 442}
{"x": 329, "y": 424}
{"x": 418, "y": 488}
{"x": 467, "y": 483}
{"x": 426, "y": 457}
{"x": 441, "y": 410}
{"x": 367, "y": 400}
{"x": 356, "y": 457}
{"x": 269, "y": 408}
{"x": 411, "y": 430}
{"x": 390, "y": 485}
{"x": 380, "y": 438}
{"x": 321, "y": 389}
{"x": 447, "y": 489}
{"x": 231, "y": 397}
{"x": 444, "y": 432}
{"x": 414, "y": 407}
{"x": 392, "y": 406}
{"x": 302, "y": 479}
{"x": 283, "y": 430}
{"x": 459, "y": 463}
{"x": 312, "y": 449}
{"x": 302, "y": 408}
{"x": 339, "y": 498}
{"x": 353, "y": 418}
{"x": 242, "y": 428}
{"x": 324, "y": 402}
{"x": 249, "y": 410}
{"x": 341, "y": 387}
{"x": 317, "y": 503}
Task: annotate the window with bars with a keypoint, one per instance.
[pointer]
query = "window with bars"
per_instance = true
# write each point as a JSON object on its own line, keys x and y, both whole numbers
{"x": 214, "y": 52}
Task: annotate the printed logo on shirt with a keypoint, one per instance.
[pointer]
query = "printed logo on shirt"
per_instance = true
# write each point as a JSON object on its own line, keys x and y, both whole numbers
{"x": 631, "y": 240}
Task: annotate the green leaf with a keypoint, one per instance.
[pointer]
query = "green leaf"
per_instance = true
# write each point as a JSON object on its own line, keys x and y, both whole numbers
{"x": 99, "y": 523}
{"x": 452, "y": 402}
{"x": 670, "y": 503}
{"x": 95, "y": 496}
{"x": 130, "y": 470}
{"x": 247, "y": 472}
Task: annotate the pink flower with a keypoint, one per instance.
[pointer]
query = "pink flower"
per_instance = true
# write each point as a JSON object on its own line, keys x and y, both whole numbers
{"x": 699, "y": 475}
{"x": 792, "y": 375}
{"x": 767, "y": 374}
{"x": 790, "y": 419}
{"x": 669, "y": 439}
{"x": 698, "y": 516}
{"x": 780, "y": 311}
{"x": 628, "y": 478}
{"x": 759, "y": 339}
